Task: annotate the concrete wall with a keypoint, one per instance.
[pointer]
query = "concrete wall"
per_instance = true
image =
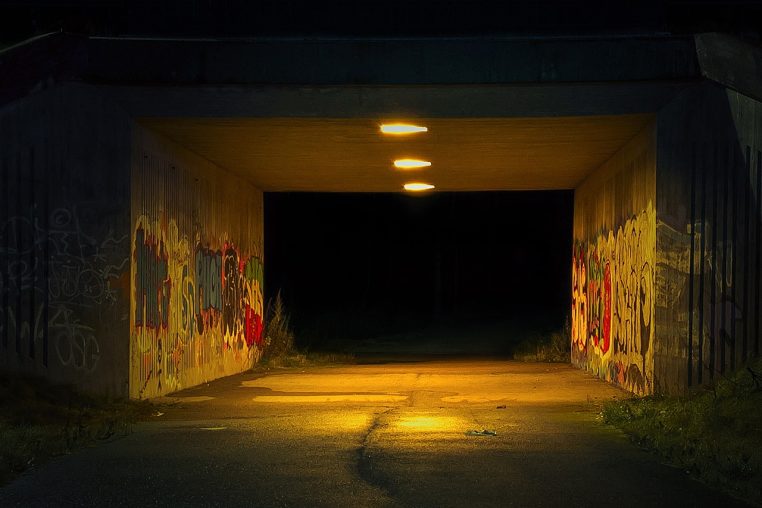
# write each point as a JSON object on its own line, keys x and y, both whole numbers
{"x": 64, "y": 238}
{"x": 709, "y": 234}
{"x": 613, "y": 267}
{"x": 315, "y": 61}
{"x": 196, "y": 270}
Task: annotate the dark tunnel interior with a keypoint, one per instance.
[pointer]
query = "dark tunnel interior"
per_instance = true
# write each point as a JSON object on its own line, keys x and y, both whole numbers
{"x": 353, "y": 267}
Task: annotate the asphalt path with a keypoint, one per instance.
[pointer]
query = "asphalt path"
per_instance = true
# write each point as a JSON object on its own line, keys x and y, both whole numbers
{"x": 417, "y": 433}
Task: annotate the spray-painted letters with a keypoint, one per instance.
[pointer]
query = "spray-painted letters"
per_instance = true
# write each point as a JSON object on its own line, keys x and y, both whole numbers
{"x": 197, "y": 310}
{"x": 613, "y": 303}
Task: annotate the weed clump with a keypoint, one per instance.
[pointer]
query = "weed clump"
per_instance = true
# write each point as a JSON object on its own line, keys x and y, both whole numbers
{"x": 279, "y": 338}
{"x": 279, "y": 344}
{"x": 715, "y": 434}
{"x": 548, "y": 347}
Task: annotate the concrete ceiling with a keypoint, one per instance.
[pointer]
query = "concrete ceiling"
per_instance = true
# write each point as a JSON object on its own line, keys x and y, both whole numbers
{"x": 351, "y": 155}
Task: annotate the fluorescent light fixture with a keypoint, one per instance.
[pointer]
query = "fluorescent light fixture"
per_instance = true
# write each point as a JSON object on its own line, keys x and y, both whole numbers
{"x": 411, "y": 164}
{"x": 417, "y": 186}
{"x": 402, "y": 128}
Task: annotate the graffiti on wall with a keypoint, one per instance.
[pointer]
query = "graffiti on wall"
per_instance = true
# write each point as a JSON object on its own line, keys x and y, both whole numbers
{"x": 613, "y": 303}
{"x": 198, "y": 307}
{"x": 54, "y": 267}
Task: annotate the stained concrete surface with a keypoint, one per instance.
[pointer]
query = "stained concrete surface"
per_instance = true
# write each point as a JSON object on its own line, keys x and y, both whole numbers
{"x": 386, "y": 434}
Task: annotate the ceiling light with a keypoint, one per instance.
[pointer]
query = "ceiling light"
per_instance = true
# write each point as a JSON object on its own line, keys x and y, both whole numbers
{"x": 411, "y": 164}
{"x": 402, "y": 128}
{"x": 418, "y": 186}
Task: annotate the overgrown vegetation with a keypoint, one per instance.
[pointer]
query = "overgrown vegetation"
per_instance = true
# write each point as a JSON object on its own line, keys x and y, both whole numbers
{"x": 552, "y": 346}
{"x": 280, "y": 349}
{"x": 39, "y": 420}
{"x": 279, "y": 338}
{"x": 715, "y": 434}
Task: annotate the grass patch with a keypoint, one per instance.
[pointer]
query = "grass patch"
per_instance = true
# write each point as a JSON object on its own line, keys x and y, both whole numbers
{"x": 308, "y": 359}
{"x": 280, "y": 351}
{"x": 552, "y": 346}
{"x": 39, "y": 420}
{"x": 715, "y": 435}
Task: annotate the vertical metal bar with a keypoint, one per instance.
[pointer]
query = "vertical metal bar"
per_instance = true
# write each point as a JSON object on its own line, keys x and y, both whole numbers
{"x": 758, "y": 222}
{"x": 5, "y": 290}
{"x": 733, "y": 259}
{"x": 701, "y": 271}
{"x": 713, "y": 297}
{"x": 32, "y": 255}
{"x": 46, "y": 179}
{"x": 691, "y": 270}
{"x": 746, "y": 182}
{"x": 19, "y": 250}
{"x": 724, "y": 271}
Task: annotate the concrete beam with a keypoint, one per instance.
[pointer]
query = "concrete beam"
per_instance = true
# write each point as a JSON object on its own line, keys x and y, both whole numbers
{"x": 432, "y": 101}
{"x": 395, "y": 61}
{"x": 731, "y": 62}
{"x": 37, "y": 64}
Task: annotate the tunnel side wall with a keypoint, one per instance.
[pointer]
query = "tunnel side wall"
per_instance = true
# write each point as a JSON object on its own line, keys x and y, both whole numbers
{"x": 709, "y": 236}
{"x": 64, "y": 238}
{"x": 614, "y": 252}
{"x": 197, "y": 275}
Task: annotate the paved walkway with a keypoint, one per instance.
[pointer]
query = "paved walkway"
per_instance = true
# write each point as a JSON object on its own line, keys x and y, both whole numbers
{"x": 392, "y": 434}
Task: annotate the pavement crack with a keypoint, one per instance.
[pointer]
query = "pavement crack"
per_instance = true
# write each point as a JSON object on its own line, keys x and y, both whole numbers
{"x": 365, "y": 459}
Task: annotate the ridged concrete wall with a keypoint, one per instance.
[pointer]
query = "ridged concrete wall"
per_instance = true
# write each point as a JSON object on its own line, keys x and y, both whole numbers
{"x": 196, "y": 269}
{"x": 614, "y": 257}
{"x": 64, "y": 238}
{"x": 709, "y": 235}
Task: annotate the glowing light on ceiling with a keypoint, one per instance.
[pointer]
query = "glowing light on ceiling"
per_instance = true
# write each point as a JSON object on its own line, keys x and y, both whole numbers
{"x": 402, "y": 128}
{"x": 411, "y": 164}
{"x": 418, "y": 186}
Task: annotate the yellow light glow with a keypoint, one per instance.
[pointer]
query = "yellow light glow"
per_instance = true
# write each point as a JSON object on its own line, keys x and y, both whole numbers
{"x": 402, "y": 128}
{"x": 430, "y": 423}
{"x": 421, "y": 422}
{"x": 348, "y": 397}
{"x": 411, "y": 164}
{"x": 418, "y": 186}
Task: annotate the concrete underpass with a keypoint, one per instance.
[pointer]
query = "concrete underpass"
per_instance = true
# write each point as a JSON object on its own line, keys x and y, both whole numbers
{"x": 133, "y": 261}
{"x": 155, "y": 172}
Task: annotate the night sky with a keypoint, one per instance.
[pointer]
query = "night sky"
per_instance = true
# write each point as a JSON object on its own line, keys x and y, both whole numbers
{"x": 359, "y": 265}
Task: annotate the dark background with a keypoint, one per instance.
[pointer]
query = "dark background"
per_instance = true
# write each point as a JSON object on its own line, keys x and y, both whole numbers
{"x": 354, "y": 266}
{"x": 20, "y": 19}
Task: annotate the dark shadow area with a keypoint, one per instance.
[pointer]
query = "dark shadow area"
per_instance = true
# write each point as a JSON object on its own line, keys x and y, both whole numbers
{"x": 441, "y": 273}
{"x": 21, "y": 19}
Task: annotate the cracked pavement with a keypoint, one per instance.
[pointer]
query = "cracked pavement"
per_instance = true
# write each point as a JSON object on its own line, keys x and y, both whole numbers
{"x": 387, "y": 434}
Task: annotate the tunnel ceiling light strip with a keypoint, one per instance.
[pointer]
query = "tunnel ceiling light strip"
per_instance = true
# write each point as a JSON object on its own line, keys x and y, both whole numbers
{"x": 418, "y": 186}
{"x": 402, "y": 128}
{"x": 411, "y": 164}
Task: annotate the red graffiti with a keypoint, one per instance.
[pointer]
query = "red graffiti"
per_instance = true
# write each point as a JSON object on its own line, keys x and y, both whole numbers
{"x": 606, "y": 343}
{"x": 253, "y": 327}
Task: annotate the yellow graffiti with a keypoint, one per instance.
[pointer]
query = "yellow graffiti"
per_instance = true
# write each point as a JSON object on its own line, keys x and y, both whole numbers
{"x": 630, "y": 253}
{"x": 183, "y": 348}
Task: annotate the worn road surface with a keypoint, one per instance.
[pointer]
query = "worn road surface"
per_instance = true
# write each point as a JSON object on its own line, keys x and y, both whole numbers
{"x": 388, "y": 434}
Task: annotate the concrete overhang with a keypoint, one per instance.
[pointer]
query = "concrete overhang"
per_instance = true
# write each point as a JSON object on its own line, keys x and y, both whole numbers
{"x": 302, "y": 114}
{"x": 351, "y": 155}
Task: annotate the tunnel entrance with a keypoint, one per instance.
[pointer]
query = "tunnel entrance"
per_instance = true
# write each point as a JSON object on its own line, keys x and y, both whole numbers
{"x": 478, "y": 265}
{"x": 168, "y": 203}
{"x": 443, "y": 273}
